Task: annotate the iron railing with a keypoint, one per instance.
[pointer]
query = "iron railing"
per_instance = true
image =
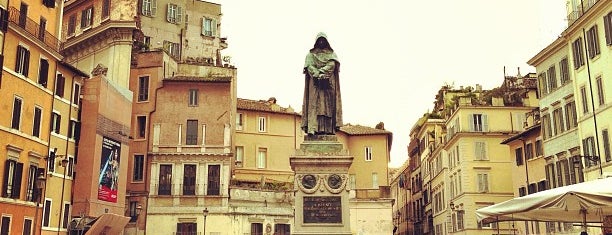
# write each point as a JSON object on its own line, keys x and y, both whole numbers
{"x": 33, "y": 29}
{"x": 580, "y": 10}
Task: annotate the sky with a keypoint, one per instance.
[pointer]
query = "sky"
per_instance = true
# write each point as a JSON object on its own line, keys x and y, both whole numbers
{"x": 394, "y": 54}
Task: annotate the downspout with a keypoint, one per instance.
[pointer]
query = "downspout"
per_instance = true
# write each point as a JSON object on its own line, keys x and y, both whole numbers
{"x": 59, "y": 222}
{"x": 49, "y": 145}
{"x": 592, "y": 102}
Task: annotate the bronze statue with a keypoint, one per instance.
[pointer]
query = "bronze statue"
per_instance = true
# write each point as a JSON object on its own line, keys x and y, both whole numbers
{"x": 322, "y": 106}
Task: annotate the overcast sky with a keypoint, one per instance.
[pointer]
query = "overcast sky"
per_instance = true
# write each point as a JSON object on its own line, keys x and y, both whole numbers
{"x": 394, "y": 54}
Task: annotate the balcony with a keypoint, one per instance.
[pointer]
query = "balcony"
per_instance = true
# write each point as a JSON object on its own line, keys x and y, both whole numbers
{"x": 580, "y": 10}
{"x": 33, "y": 29}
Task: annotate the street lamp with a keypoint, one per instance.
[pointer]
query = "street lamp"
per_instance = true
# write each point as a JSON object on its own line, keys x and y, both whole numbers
{"x": 40, "y": 185}
{"x": 138, "y": 210}
{"x": 205, "y": 213}
{"x": 59, "y": 221}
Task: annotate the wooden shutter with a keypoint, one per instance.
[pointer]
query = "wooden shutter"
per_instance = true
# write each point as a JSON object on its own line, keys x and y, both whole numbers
{"x": 471, "y": 122}
{"x": 485, "y": 123}
{"x": 16, "y": 191}
{"x": 153, "y": 7}
{"x": 179, "y": 14}
{"x": 4, "y": 19}
{"x": 213, "y": 180}
{"x": 7, "y": 167}
{"x": 43, "y": 73}
{"x": 168, "y": 13}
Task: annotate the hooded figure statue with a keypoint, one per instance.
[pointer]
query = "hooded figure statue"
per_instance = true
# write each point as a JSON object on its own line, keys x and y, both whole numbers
{"x": 322, "y": 106}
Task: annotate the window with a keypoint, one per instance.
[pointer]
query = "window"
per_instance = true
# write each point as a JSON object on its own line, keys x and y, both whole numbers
{"x": 214, "y": 180}
{"x": 483, "y": 182}
{"x": 460, "y": 219}
{"x": 70, "y": 167}
{"x": 165, "y": 179}
{"x": 66, "y": 216}
{"x": 175, "y": 13}
{"x": 571, "y": 119}
{"x": 51, "y": 161}
{"x": 87, "y": 17}
{"x": 173, "y": 49}
{"x": 239, "y": 121}
{"x": 46, "y": 213}
{"x": 208, "y": 27}
{"x": 73, "y": 129}
{"x": 43, "y": 72}
{"x": 480, "y": 151}
{"x": 538, "y": 148}
{"x": 56, "y": 120}
{"x": 193, "y": 97}
{"x": 49, "y": 3}
{"x": 22, "y": 64}
{"x": 189, "y": 179}
{"x": 4, "y": 22}
{"x": 133, "y": 211}
{"x": 261, "y": 158}
{"x": 608, "y": 28}
{"x": 31, "y": 186}
{"x": 11, "y": 186}
{"x": 519, "y": 156}
{"x": 149, "y": 7}
{"x": 585, "y": 101}
{"x": 564, "y": 71}
{"x": 532, "y": 188}
{"x": 542, "y": 185}
{"x": 42, "y": 28}
{"x": 577, "y": 53}
{"x": 478, "y": 122}
{"x": 282, "y": 229}
{"x": 71, "y": 25}
{"x": 528, "y": 151}
{"x": 186, "y": 228}
{"x": 192, "y": 132}
{"x": 76, "y": 95}
{"x": 542, "y": 84}
{"x": 16, "y": 119}
{"x": 522, "y": 191}
{"x": 23, "y": 14}
{"x": 558, "y": 121}
{"x": 550, "y": 175}
{"x": 588, "y": 146}
{"x": 105, "y": 9}
{"x": 606, "y": 144}
{"x": 143, "y": 88}
{"x": 59, "y": 85}
{"x": 239, "y": 155}
{"x": 6, "y": 225}
{"x": 592, "y": 42}
{"x": 261, "y": 126}
{"x": 138, "y": 171}
{"x": 27, "y": 226}
{"x": 374, "y": 180}
{"x": 552, "y": 78}
{"x": 368, "y": 153}
{"x": 600, "y": 91}
{"x": 141, "y": 124}
{"x": 257, "y": 229}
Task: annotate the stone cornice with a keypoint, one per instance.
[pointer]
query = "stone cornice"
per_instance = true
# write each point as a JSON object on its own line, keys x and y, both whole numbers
{"x": 111, "y": 32}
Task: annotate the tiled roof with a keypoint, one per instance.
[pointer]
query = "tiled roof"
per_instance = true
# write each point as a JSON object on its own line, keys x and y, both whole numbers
{"x": 264, "y": 106}
{"x": 182, "y": 78}
{"x": 362, "y": 130}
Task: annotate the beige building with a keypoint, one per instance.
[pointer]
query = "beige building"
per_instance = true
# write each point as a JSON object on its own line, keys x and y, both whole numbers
{"x": 266, "y": 135}
{"x": 401, "y": 193}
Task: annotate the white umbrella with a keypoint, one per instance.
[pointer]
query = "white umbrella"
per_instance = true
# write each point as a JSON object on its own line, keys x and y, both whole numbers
{"x": 584, "y": 202}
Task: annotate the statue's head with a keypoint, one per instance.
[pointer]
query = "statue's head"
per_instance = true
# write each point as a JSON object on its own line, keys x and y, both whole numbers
{"x": 322, "y": 42}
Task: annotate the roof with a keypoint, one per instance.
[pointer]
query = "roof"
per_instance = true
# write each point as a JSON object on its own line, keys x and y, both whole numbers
{"x": 74, "y": 69}
{"x": 264, "y": 106}
{"x": 362, "y": 130}
{"x": 529, "y": 130}
{"x": 183, "y": 78}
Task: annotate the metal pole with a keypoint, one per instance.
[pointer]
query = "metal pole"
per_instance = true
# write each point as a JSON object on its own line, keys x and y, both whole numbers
{"x": 59, "y": 222}
{"x": 592, "y": 103}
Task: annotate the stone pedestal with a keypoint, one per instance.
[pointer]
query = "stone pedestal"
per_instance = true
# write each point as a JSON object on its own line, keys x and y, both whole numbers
{"x": 321, "y": 182}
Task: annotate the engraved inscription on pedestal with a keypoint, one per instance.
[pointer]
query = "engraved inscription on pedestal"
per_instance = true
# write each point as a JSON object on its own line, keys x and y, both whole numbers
{"x": 323, "y": 209}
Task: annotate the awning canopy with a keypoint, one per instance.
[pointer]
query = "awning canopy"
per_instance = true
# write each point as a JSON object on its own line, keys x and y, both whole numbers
{"x": 108, "y": 224}
{"x": 590, "y": 201}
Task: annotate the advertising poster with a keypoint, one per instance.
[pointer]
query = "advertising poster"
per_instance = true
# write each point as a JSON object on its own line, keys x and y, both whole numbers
{"x": 109, "y": 170}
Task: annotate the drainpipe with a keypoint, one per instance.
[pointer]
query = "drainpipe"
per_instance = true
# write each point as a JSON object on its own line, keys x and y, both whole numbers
{"x": 592, "y": 101}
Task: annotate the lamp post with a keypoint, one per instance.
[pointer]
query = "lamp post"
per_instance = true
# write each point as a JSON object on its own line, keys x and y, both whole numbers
{"x": 138, "y": 210}
{"x": 59, "y": 222}
{"x": 205, "y": 213}
{"x": 40, "y": 185}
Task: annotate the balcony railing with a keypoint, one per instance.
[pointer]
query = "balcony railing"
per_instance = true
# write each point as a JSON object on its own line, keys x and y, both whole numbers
{"x": 580, "y": 10}
{"x": 33, "y": 29}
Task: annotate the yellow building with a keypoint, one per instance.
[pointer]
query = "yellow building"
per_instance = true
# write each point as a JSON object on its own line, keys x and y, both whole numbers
{"x": 401, "y": 192}
{"x": 38, "y": 90}
{"x": 266, "y": 135}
